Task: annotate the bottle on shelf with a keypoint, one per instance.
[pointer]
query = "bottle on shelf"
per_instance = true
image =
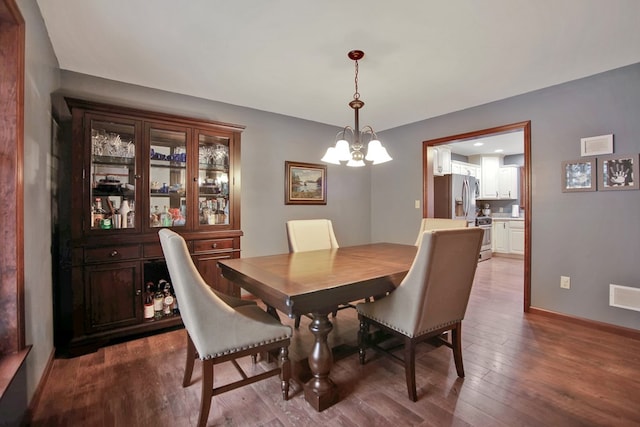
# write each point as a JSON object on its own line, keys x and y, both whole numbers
{"x": 167, "y": 303}
{"x": 174, "y": 306}
{"x": 124, "y": 212}
{"x": 131, "y": 216}
{"x": 158, "y": 302}
{"x": 154, "y": 219}
{"x": 165, "y": 218}
{"x": 204, "y": 213}
{"x": 149, "y": 311}
{"x": 97, "y": 213}
{"x": 106, "y": 223}
{"x": 221, "y": 216}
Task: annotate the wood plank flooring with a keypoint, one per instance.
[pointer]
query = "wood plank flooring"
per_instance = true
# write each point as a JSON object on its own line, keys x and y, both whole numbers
{"x": 521, "y": 370}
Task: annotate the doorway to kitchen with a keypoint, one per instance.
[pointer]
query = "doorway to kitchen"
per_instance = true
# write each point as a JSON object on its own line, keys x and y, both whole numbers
{"x": 437, "y": 160}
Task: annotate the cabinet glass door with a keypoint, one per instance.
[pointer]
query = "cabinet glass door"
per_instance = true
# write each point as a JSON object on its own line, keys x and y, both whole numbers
{"x": 113, "y": 175}
{"x": 213, "y": 180}
{"x": 167, "y": 178}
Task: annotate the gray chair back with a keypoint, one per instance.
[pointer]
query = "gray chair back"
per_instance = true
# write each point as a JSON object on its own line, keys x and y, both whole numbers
{"x": 430, "y": 224}
{"x": 215, "y": 327}
{"x": 435, "y": 291}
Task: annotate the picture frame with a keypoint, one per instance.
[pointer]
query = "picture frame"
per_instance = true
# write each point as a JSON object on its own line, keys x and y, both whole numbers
{"x": 305, "y": 183}
{"x": 618, "y": 172}
{"x": 578, "y": 175}
{"x": 596, "y": 145}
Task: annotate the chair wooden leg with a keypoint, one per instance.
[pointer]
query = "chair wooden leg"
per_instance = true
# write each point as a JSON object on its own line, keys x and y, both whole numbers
{"x": 296, "y": 324}
{"x": 285, "y": 372}
{"x": 363, "y": 334}
{"x": 191, "y": 356}
{"x": 273, "y": 312}
{"x": 207, "y": 392}
{"x": 410, "y": 368}
{"x": 456, "y": 343}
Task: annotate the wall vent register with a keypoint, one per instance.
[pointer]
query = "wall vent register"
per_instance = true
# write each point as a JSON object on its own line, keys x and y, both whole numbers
{"x": 624, "y": 297}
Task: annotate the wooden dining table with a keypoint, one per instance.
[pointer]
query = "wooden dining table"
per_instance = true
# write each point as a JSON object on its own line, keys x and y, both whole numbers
{"x": 316, "y": 283}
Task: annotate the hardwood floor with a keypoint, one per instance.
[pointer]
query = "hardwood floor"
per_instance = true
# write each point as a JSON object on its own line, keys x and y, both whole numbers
{"x": 525, "y": 370}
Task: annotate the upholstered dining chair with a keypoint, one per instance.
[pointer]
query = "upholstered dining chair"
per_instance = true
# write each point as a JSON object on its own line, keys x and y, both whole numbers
{"x": 311, "y": 235}
{"x": 430, "y": 300}
{"x": 430, "y": 224}
{"x": 221, "y": 328}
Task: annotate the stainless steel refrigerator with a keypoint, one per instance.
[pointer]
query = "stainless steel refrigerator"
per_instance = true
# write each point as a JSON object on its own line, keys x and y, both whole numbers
{"x": 454, "y": 196}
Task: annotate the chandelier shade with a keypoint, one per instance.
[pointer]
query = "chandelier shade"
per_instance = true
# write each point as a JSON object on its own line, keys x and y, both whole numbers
{"x": 352, "y": 152}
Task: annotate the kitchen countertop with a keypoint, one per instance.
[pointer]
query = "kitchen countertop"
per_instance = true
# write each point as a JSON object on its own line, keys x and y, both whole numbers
{"x": 506, "y": 218}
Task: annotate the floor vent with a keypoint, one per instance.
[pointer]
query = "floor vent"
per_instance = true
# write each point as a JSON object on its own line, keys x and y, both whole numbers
{"x": 624, "y": 297}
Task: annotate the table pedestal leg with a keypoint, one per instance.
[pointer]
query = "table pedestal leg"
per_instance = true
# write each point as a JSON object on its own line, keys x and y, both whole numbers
{"x": 320, "y": 391}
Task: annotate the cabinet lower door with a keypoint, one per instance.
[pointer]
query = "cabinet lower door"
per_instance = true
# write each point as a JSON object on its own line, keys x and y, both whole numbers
{"x": 212, "y": 274}
{"x": 516, "y": 241}
{"x": 501, "y": 236}
{"x": 112, "y": 296}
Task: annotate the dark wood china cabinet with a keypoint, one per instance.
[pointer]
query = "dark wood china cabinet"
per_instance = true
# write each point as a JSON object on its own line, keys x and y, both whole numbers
{"x": 130, "y": 173}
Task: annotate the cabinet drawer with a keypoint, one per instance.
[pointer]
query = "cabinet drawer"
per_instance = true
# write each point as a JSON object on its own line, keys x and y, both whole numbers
{"x": 153, "y": 250}
{"x": 112, "y": 253}
{"x": 200, "y": 246}
{"x": 516, "y": 224}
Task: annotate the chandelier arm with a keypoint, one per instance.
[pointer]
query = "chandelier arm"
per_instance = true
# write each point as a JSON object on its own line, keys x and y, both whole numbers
{"x": 369, "y": 130}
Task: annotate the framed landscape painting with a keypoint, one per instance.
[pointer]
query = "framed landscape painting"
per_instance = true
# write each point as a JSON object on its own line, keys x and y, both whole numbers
{"x": 305, "y": 183}
{"x": 578, "y": 175}
{"x": 618, "y": 172}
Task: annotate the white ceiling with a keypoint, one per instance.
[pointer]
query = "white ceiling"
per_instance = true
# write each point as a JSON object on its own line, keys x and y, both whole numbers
{"x": 423, "y": 58}
{"x": 503, "y": 144}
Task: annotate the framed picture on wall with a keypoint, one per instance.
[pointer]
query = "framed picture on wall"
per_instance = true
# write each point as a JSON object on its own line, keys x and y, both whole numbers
{"x": 618, "y": 172}
{"x": 305, "y": 183}
{"x": 578, "y": 175}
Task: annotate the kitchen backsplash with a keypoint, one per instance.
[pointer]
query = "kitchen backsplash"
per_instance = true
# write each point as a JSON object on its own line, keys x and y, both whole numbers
{"x": 496, "y": 206}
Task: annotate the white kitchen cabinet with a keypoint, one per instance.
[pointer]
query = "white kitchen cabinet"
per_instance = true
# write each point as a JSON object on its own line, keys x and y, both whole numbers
{"x": 464, "y": 168}
{"x": 508, "y": 182}
{"x": 489, "y": 167}
{"x": 500, "y": 237}
{"x": 516, "y": 237}
{"x": 456, "y": 168}
{"x": 508, "y": 236}
{"x": 441, "y": 161}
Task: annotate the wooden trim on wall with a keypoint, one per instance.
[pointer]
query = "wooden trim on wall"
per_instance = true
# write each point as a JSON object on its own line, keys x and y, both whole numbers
{"x": 12, "y": 46}
{"x": 427, "y": 199}
{"x": 601, "y": 326}
{"x": 35, "y": 400}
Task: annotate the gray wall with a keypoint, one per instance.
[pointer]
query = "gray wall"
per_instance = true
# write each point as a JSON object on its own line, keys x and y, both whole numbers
{"x": 41, "y": 78}
{"x": 592, "y": 237}
{"x": 268, "y": 140}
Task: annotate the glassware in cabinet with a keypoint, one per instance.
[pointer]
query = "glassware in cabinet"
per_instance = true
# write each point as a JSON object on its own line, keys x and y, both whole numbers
{"x": 112, "y": 174}
{"x": 167, "y": 177}
{"x": 213, "y": 179}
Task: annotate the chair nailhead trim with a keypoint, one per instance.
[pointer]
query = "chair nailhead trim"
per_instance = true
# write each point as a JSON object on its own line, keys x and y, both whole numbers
{"x": 236, "y": 350}
{"x": 382, "y": 322}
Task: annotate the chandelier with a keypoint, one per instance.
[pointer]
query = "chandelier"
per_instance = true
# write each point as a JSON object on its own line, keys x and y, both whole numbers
{"x": 352, "y": 152}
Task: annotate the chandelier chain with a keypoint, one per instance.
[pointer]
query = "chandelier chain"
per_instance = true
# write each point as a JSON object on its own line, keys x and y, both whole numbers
{"x": 356, "y": 95}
